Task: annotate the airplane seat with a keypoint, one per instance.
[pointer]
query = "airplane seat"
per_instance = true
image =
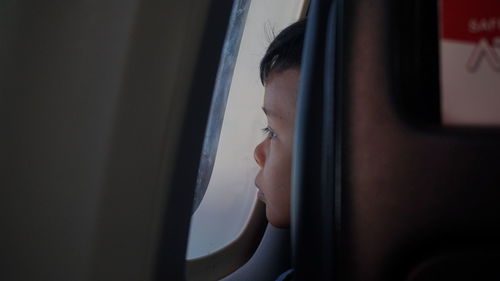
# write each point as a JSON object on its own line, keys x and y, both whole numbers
{"x": 420, "y": 198}
{"x": 384, "y": 189}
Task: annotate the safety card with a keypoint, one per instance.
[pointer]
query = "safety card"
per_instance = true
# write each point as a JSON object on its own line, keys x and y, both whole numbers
{"x": 470, "y": 62}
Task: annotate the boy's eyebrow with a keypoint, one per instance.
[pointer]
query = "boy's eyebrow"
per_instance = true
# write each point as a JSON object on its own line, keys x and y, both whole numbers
{"x": 271, "y": 114}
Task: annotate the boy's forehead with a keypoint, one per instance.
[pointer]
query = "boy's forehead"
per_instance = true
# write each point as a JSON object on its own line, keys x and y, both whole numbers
{"x": 281, "y": 93}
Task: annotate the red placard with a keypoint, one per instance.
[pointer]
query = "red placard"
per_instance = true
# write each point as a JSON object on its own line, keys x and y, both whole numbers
{"x": 466, "y": 20}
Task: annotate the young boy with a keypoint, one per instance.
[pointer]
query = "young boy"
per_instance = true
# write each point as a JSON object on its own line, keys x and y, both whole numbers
{"x": 279, "y": 73}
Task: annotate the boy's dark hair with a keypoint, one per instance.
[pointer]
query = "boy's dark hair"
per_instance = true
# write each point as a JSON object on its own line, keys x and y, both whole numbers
{"x": 285, "y": 51}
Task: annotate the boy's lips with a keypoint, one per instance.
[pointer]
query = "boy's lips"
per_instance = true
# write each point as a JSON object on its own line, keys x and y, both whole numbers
{"x": 261, "y": 196}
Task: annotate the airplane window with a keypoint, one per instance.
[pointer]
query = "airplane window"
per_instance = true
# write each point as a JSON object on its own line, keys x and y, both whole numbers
{"x": 219, "y": 101}
{"x": 225, "y": 194}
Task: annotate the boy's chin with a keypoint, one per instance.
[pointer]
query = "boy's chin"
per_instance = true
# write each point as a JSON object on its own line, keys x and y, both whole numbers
{"x": 283, "y": 223}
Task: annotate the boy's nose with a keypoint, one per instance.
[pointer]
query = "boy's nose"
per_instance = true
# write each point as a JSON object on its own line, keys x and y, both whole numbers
{"x": 259, "y": 155}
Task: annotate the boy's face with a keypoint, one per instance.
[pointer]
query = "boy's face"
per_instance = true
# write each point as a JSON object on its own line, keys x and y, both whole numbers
{"x": 274, "y": 153}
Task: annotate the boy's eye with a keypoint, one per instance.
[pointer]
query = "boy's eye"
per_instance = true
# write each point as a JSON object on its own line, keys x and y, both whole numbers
{"x": 269, "y": 132}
